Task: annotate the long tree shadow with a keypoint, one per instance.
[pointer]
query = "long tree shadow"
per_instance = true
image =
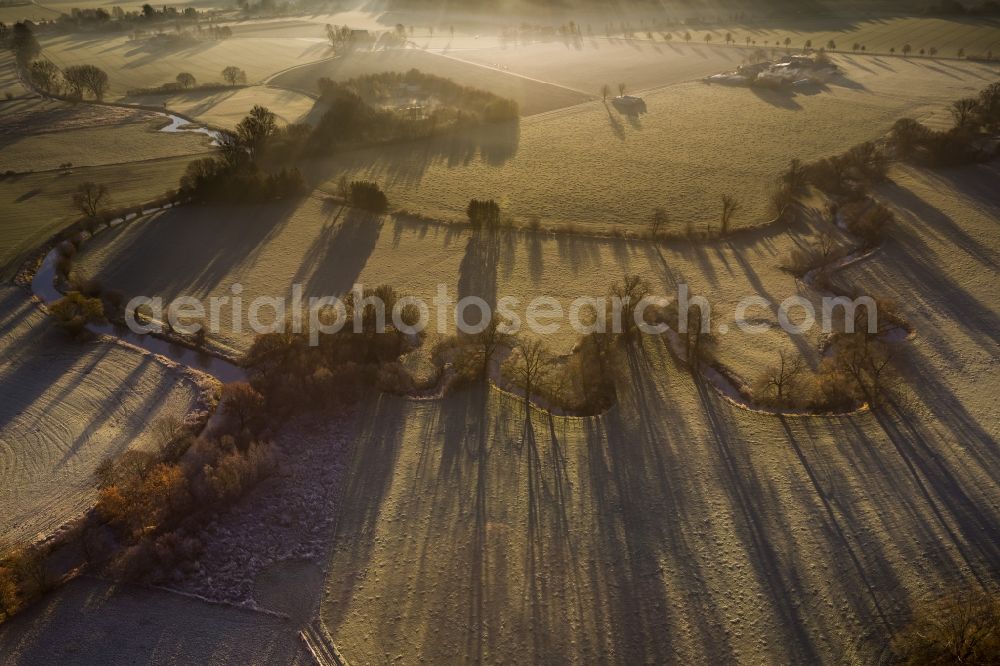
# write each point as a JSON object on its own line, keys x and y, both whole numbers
{"x": 403, "y": 164}
{"x": 477, "y": 273}
{"x": 339, "y": 252}
{"x": 972, "y": 527}
{"x": 376, "y": 449}
{"x": 191, "y": 249}
{"x": 755, "y": 509}
{"x": 642, "y": 512}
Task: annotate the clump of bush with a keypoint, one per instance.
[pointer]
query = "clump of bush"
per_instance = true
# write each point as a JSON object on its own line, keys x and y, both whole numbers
{"x": 292, "y": 374}
{"x": 963, "y": 628}
{"x": 869, "y": 223}
{"x": 24, "y": 577}
{"x": 74, "y": 311}
{"x": 817, "y": 254}
{"x": 921, "y": 145}
{"x": 846, "y": 174}
{"x": 368, "y": 195}
{"x": 485, "y": 212}
{"x": 155, "y": 499}
{"x": 211, "y": 179}
{"x": 959, "y": 145}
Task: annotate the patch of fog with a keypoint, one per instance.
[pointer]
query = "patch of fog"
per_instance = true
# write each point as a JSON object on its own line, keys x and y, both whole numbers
{"x": 178, "y": 124}
{"x": 43, "y": 285}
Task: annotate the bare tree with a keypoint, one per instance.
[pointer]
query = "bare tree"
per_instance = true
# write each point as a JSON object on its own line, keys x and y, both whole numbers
{"x": 621, "y": 89}
{"x": 605, "y": 91}
{"x": 255, "y": 129}
{"x": 657, "y": 220}
{"x": 185, "y": 80}
{"x": 87, "y": 77}
{"x": 796, "y": 178}
{"x": 230, "y": 147}
{"x": 529, "y": 366}
{"x": 963, "y": 628}
{"x": 867, "y": 361}
{"x": 90, "y": 198}
{"x": 489, "y": 340}
{"x": 730, "y": 205}
{"x": 964, "y": 111}
{"x": 45, "y": 75}
{"x": 782, "y": 378}
{"x": 629, "y": 292}
{"x": 244, "y": 403}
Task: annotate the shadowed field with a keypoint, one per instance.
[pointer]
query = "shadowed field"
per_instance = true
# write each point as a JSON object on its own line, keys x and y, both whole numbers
{"x": 64, "y": 408}
{"x": 92, "y": 621}
{"x": 674, "y": 528}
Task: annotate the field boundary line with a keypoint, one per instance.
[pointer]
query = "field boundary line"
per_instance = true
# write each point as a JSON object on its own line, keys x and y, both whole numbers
{"x": 589, "y": 96}
{"x": 188, "y": 595}
{"x": 267, "y": 81}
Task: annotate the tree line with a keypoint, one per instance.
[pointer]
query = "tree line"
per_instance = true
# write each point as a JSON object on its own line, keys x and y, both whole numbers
{"x": 235, "y": 174}
{"x": 357, "y": 114}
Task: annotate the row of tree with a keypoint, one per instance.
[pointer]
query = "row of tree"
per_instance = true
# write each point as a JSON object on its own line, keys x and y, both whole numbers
{"x": 20, "y": 40}
{"x": 73, "y": 82}
{"x": 914, "y": 141}
{"x": 235, "y": 173}
{"x": 357, "y": 108}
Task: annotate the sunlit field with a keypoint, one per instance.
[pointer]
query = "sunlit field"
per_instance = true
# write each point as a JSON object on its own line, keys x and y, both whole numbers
{"x": 43, "y": 136}
{"x": 592, "y": 166}
{"x": 225, "y": 108}
{"x": 146, "y": 63}
{"x": 688, "y": 354}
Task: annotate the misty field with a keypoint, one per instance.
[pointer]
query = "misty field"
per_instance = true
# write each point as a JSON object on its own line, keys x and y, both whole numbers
{"x": 696, "y": 514}
{"x": 533, "y": 96}
{"x": 591, "y": 166}
{"x": 42, "y": 136}
{"x": 147, "y": 63}
{"x": 225, "y": 108}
